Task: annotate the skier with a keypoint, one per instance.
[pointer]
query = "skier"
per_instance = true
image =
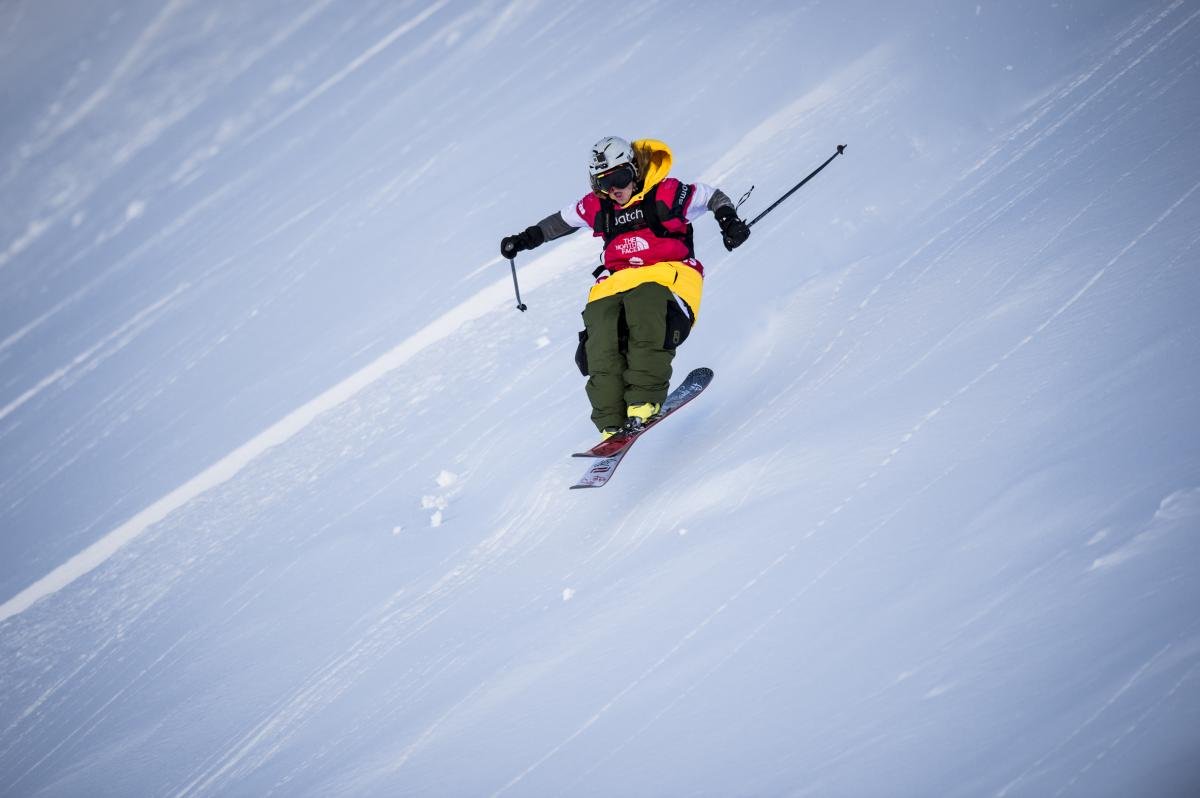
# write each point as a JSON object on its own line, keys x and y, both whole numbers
{"x": 645, "y": 306}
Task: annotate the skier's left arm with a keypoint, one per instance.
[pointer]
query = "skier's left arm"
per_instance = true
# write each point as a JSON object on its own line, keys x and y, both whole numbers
{"x": 734, "y": 231}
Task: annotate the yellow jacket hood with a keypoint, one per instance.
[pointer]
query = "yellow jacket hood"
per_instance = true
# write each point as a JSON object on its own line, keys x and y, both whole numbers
{"x": 654, "y": 163}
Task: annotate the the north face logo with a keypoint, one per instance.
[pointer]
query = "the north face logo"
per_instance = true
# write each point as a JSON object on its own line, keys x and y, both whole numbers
{"x": 628, "y": 246}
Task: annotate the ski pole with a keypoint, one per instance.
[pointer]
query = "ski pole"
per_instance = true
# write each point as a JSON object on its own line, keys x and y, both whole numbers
{"x": 840, "y": 149}
{"x": 520, "y": 305}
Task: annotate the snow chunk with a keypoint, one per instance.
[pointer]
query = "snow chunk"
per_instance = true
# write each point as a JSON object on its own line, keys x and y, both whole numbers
{"x": 134, "y": 210}
{"x": 568, "y": 594}
{"x": 1178, "y": 506}
{"x": 434, "y": 502}
{"x": 283, "y": 83}
{"x": 438, "y": 503}
{"x": 1175, "y": 513}
{"x": 542, "y": 342}
{"x": 939, "y": 690}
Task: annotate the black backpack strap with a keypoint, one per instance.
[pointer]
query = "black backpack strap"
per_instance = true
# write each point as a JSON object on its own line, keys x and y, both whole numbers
{"x": 604, "y": 226}
{"x": 650, "y": 210}
{"x": 675, "y": 210}
{"x": 679, "y": 203}
{"x": 652, "y": 215}
{"x": 604, "y": 220}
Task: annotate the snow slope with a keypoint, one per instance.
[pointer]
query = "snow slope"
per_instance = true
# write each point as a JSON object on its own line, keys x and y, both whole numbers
{"x": 283, "y": 473}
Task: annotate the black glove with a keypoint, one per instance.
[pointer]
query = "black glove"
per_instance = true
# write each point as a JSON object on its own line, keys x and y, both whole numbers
{"x": 530, "y": 238}
{"x": 734, "y": 231}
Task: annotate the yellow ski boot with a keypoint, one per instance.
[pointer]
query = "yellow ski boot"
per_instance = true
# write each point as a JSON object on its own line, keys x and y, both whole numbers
{"x": 638, "y": 415}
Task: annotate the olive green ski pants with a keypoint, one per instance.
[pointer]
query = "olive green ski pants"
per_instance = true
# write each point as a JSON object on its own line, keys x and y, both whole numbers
{"x": 628, "y": 362}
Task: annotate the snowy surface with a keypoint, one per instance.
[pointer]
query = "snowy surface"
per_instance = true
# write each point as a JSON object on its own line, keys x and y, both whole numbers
{"x": 283, "y": 472}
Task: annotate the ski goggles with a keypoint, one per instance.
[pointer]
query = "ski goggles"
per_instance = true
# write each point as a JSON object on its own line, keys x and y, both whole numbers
{"x": 620, "y": 177}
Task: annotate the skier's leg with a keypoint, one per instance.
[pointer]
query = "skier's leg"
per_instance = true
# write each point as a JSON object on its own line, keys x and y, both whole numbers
{"x": 648, "y": 373}
{"x": 606, "y": 363}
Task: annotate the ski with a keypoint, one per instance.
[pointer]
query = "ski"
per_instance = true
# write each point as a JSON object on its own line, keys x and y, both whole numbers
{"x": 608, "y": 454}
{"x": 600, "y": 471}
{"x": 689, "y": 389}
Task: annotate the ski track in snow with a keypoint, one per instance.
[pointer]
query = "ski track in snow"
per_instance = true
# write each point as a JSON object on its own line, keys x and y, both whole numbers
{"x": 363, "y": 58}
{"x": 929, "y": 416}
{"x": 768, "y": 619}
{"x": 92, "y": 721}
{"x": 1129, "y": 38}
{"x": 396, "y": 625}
{"x": 1109, "y": 702}
{"x": 962, "y": 237}
{"x": 49, "y": 132}
{"x": 1151, "y": 708}
{"x": 121, "y": 71}
{"x": 89, "y": 723}
{"x": 89, "y": 359}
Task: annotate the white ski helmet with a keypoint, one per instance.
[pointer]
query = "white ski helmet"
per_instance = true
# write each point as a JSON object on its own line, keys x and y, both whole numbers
{"x": 608, "y": 154}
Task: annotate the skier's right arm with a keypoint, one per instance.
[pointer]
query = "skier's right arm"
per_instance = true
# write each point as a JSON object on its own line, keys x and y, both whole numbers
{"x": 552, "y": 227}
